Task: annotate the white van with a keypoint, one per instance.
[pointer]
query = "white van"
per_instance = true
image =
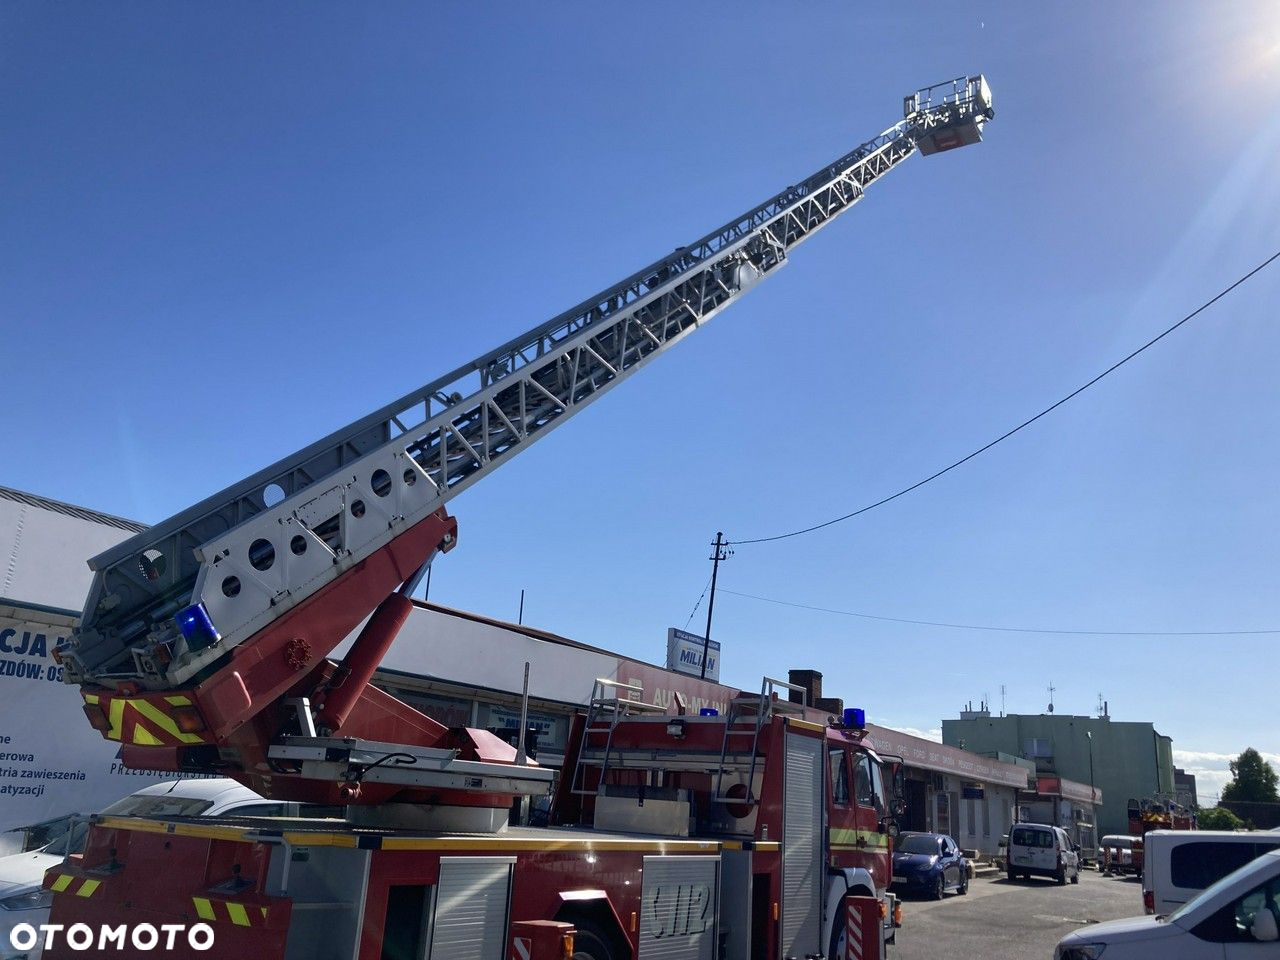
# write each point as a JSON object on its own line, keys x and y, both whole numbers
{"x": 1181, "y": 863}
{"x": 1236, "y": 918}
{"x": 1041, "y": 850}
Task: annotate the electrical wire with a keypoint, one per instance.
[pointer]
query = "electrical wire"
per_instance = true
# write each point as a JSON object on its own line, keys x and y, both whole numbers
{"x": 1025, "y": 423}
{"x": 698, "y": 604}
{"x": 972, "y": 626}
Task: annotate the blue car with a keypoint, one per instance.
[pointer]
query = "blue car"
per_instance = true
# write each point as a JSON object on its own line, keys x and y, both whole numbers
{"x": 929, "y": 863}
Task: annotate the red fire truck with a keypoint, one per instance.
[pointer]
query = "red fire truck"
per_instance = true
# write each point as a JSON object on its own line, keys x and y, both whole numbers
{"x": 1153, "y": 814}
{"x": 204, "y": 647}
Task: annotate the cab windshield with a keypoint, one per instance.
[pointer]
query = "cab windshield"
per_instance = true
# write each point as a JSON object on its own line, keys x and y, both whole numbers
{"x": 157, "y": 805}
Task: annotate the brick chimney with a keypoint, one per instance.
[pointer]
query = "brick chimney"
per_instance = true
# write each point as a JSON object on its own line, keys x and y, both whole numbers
{"x": 811, "y": 680}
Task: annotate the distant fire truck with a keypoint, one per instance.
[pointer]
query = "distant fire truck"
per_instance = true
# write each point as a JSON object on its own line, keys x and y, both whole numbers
{"x": 204, "y": 644}
{"x": 1154, "y": 814}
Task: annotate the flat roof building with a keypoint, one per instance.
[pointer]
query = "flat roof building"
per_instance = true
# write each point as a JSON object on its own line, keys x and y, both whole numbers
{"x": 1123, "y": 759}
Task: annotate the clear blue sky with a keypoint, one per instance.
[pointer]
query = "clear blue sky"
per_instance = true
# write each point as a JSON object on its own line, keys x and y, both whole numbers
{"x": 230, "y": 228}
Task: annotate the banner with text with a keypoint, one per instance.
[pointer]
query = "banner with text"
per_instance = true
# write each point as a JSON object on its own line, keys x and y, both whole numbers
{"x": 52, "y": 763}
{"x": 684, "y": 654}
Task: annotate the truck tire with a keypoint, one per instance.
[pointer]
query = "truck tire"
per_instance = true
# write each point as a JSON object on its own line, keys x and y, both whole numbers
{"x": 590, "y": 943}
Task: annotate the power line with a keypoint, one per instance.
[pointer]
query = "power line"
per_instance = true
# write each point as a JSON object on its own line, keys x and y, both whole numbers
{"x": 1025, "y": 423}
{"x": 698, "y": 604}
{"x": 972, "y": 626}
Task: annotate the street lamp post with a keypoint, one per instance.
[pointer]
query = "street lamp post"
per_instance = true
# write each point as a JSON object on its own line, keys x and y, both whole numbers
{"x": 1093, "y": 805}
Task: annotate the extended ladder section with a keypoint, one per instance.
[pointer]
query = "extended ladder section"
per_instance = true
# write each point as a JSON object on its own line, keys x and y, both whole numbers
{"x": 167, "y": 604}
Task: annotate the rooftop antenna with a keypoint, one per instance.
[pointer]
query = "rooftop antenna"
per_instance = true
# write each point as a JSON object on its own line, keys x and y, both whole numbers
{"x": 1101, "y": 708}
{"x": 1051, "y": 689}
{"x": 1002, "y": 699}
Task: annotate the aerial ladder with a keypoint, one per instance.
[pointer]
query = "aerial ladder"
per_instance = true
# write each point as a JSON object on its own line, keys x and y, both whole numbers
{"x": 205, "y": 641}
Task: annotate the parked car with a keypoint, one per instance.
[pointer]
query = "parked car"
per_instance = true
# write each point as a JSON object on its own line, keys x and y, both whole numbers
{"x": 929, "y": 863}
{"x": 1181, "y": 863}
{"x": 1238, "y": 916}
{"x": 1117, "y": 854}
{"x": 22, "y": 900}
{"x": 1042, "y": 850}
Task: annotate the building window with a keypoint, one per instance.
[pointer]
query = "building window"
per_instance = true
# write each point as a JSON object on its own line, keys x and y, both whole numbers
{"x": 1037, "y": 748}
{"x": 971, "y": 816}
{"x": 986, "y": 818}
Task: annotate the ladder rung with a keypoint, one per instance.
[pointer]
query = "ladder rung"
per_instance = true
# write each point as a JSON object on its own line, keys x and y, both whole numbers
{"x": 748, "y": 800}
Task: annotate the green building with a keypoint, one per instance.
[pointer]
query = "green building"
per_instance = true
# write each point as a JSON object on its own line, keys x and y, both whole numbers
{"x": 1124, "y": 760}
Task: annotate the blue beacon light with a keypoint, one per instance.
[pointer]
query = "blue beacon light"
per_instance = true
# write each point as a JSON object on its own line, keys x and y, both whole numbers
{"x": 197, "y": 627}
{"x": 856, "y": 718}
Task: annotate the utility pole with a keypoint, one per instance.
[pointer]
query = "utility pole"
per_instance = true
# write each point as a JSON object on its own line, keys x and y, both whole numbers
{"x": 720, "y": 551}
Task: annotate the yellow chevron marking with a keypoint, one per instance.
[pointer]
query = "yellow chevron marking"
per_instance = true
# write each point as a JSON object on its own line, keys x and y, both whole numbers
{"x": 63, "y": 881}
{"x": 115, "y": 720}
{"x": 238, "y": 914}
{"x": 167, "y": 724}
{"x": 264, "y": 912}
{"x": 178, "y": 701}
{"x": 90, "y": 698}
{"x": 145, "y": 737}
{"x": 204, "y": 909}
{"x": 87, "y": 888}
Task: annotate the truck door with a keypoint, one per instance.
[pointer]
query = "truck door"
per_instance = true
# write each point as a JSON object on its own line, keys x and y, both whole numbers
{"x": 802, "y": 836}
{"x": 871, "y": 846}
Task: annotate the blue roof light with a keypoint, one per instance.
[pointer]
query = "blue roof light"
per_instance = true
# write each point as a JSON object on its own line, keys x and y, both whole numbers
{"x": 708, "y": 712}
{"x": 197, "y": 627}
{"x": 856, "y": 718}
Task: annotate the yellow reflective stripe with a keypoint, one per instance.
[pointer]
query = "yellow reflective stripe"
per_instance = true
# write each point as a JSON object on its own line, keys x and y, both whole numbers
{"x": 115, "y": 720}
{"x": 145, "y": 737}
{"x": 90, "y": 698}
{"x": 204, "y": 909}
{"x": 87, "y": 888}
{"x": 238, "y": 915}
{"x": 841, "y": 837}
{"x": 178, "y": 701}
{"x": 167, "y": 724}
{"x": 264, "y": 912}
{"x": 63, "y": 881}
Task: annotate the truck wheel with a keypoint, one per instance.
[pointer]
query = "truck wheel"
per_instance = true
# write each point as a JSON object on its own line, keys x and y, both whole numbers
{"x": 589, "y": 943}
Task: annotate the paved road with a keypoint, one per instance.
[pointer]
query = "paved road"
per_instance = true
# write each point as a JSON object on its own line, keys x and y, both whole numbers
{"x": 999, "y": 920}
